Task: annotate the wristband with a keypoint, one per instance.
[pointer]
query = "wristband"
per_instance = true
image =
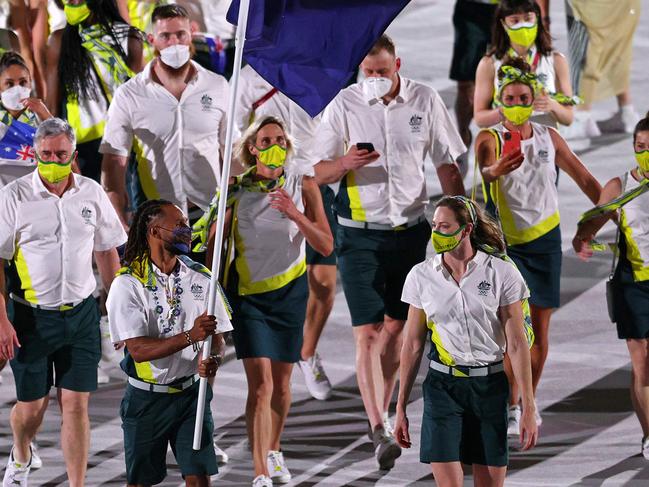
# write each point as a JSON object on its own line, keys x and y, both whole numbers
{"x": 190, "y": 341}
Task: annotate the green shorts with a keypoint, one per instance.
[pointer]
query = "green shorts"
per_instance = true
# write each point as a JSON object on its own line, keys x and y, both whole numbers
{"x": 465, "y": 419}
{"x": 313, "y": 257}
{"x": 373, "y": 266}
{"x": 61, "y": 344}
{"x": 151, "y": 421}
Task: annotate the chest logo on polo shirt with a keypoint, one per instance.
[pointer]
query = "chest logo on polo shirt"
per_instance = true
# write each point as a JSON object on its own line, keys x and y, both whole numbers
{"x": 483, "y": 288}
{"x": 415, "y": 124}
{"x": 206, "y": 102}
{"x": 542, "y": 78}
{"x": 197, "y": 291}
{"x": 543, "y": 156}
{"x": 86, "y": 214}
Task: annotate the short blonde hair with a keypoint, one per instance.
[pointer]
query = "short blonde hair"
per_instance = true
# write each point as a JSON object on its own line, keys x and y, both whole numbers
{"x": 242, "y": 153}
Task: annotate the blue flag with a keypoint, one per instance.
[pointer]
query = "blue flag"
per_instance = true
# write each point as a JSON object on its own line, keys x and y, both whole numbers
{"x": 309, "y": 49}
{"x": 18, "y": 141}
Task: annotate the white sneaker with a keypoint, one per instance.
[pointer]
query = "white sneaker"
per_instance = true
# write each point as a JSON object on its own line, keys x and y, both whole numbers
{"x": 221, "y": 457}
{"x": 645, "y": 447}
{"x": 386, "y": 448}
{"x": 582, "y": 127}
{"x": 262, "y": 481}
{"x": 102, "y": 376}
{"x": 36, "y": 459}
{"x": 537, "y": 415}
{"x": 514, "y": 420}
{"x": 630, "y": 118}
{"x": 277, "y": 467}
{"x": 315, "y": 378}
{"x": 16, "y": 474}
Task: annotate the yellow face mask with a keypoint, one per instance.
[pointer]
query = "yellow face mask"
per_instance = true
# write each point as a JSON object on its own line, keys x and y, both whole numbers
{"x": 642, "y": 158}
{"x": 517, "y": 114}
{"x": 522, "y": 33}
{"x": 273, "y": 156}
{"x": 54, "y": 171}
{"x": 75, "y": 14}
{"x": 445, "y": 242}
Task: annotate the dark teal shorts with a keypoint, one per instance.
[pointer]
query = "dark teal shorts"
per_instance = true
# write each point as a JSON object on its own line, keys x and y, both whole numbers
{"x": 313, "y": 257}
{"x": 373, "y": 266}
{"x": 151, "y": 421}
{"x": 465, "y": 419}
{"x": 61, "y": 344}
{"x": 631, "y": 300}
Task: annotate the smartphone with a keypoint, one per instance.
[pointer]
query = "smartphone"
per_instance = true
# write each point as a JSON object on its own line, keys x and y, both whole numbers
{"x": 512, "y": 142}
{"x": 368, "y": 146}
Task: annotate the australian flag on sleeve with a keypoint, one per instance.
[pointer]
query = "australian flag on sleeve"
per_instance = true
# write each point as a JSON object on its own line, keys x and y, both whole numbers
{"x": 309, "y": 49}
{"x": 17, "y": 144}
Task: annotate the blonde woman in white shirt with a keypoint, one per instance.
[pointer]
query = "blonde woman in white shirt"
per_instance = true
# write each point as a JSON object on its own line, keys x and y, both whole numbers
{"x": 470, "y": 300}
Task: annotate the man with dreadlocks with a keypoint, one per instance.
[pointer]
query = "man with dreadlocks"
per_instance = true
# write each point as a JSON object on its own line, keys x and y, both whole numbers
{"x": 157, "y": 307}
{"x": 96, "y": 52}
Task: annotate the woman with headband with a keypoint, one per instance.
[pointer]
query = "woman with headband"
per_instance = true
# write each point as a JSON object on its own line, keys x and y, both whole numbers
{"x": 519, "y": 183}
{"x": 471, "y": 300}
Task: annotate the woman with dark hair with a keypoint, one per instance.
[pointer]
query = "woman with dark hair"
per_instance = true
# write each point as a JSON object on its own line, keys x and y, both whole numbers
{"x": 520, "y": 189}
{"x": 95, "y": 53}
{"x": 272, "y": 213}
{"x": 471, "y": 300}
{"x": 518, "y": 32}
{"x": 631, "y": 277}
{"x": 157, "y": 306}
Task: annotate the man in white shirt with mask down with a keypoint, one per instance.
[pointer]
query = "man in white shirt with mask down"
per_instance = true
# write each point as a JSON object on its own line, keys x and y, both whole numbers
{"x": 173, "y": 114}
{"x": 382, "y": 232}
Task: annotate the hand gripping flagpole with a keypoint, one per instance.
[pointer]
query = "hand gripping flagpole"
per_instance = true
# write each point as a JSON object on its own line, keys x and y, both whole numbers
{"x": 240, "y": 38}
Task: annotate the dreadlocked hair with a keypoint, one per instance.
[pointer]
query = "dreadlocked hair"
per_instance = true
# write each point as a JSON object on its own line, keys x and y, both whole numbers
{"x": 485, "y": 230}
{"x": 137, "y": 245}
{"x": 75, "y": 64}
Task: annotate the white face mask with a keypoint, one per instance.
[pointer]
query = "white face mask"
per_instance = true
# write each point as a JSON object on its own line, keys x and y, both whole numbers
{"x": 376, "y": 87}
{"x": 11, "y": 97}
{"x": 175, "y": 56}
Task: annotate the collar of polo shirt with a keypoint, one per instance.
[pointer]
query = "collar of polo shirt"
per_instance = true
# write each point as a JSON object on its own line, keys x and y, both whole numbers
{"x": 149, "y": 68}
{"x": 479, "y": 258}
{"x": 39, "y": 186}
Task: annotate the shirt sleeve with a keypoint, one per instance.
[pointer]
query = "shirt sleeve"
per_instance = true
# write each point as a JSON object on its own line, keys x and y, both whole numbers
{"x": 109, "y": 232}
{"x": 303, "y": 129}
{"x": 7, "y": 223}
{"x": 243, "y": 108}
{"x": 445, "y": 142}
{"x": 118, "y": 131}
{"x": 126, "y": 311}
{"x": 411, "y": 293}
{"x": 332, "y": 134}
{"x": 514, "y": 287}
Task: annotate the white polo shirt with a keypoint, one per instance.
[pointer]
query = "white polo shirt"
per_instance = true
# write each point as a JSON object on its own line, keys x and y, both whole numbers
{"x": 51, "y": 239}
{"x": 463, "y": 318}
{"x": 299, "y": 124}
{"x": 178, "y": 142}
{"x": 416, "y": 124}
{"x": 132, "y": 313}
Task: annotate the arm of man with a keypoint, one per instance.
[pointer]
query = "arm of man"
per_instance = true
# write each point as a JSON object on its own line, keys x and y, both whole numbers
{"x": 113, "y": 180}
{"x": 313, "y": 222}
{"x": 519, "y": 355}
{"x": 107, "y": 265}
{"x": 567, "y": 160}
{"x": 451, "y": 179}
{"x": 332, "y": 171}
{"x": 8, "y": 337}
{"x": 135, "y": 55}
{"x": 414, "y": 342}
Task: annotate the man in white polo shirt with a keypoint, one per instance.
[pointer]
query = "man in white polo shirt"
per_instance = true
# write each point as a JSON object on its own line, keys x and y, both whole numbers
{"x": 173, "y": 114}
{"x": 382, "y": 232}
{"x": 51, "y": 223}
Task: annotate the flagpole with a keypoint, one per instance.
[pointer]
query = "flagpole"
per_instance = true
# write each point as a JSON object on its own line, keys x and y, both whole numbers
{"x": 240, "y": 38}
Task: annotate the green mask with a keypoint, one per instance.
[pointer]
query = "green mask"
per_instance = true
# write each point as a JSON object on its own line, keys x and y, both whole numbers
{"x": 523, "y": 33}
{"x": 75, "y": 14}
{"x": 643, "y": 160}
{"x": 517, "y": 114}
{"x": 273, "y": 156}
{"x": 445, "y": 242}
{"x": 54, "y": 171}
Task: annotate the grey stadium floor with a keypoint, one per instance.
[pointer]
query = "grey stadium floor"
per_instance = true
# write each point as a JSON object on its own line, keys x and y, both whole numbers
{"x": 589, "y": 437}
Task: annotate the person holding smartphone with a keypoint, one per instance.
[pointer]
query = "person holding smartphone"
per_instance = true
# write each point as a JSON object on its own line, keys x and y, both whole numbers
{"x": 519, "y": 183}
